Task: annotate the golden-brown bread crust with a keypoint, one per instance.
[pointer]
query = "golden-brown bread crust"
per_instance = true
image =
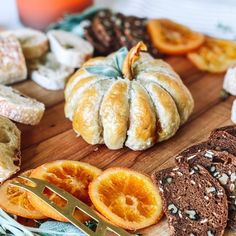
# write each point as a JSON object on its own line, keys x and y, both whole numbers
{"x": 151, "y": 107}
{"x": 166, "y": 110}
{"x": 86, "y": 120}
{"x": 176, "y": 89}
{"x": 82, "y": 73}
{"x": 142, "y": 130}
{"x": 73, "y": 98}
{"x": 115, "y": 114}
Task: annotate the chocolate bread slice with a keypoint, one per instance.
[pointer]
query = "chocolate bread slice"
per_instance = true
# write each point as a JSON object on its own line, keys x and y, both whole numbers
{"x": 103, "y": 25}
{"x": 194, "y": 202}
{"x": 222, "y": 166}
{"x": 231, "y": 129}
{"x": 222, "y": 140}
{"x": 91, "y": 37}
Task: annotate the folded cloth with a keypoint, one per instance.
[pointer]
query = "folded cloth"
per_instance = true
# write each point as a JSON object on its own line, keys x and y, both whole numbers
{"x": 213, "y": 17}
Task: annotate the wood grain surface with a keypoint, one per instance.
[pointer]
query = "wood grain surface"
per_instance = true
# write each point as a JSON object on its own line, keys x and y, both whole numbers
{"x": 54, "y": 138}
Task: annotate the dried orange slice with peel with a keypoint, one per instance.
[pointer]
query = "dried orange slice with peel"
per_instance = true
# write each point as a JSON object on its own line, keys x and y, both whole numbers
{"x": 126, "y": 198}
{"x": 72, "y": 176}
{"x": 173, "y": 38}
{"x": 14, "y": 200}
{"x": 215, "y": 55}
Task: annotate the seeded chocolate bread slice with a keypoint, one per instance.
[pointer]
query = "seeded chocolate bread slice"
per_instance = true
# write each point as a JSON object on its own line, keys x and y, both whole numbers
{"x": 194, "y": 202}
{"x": 103, "y": 25}
{"x": 91, "y": 37}
{"x": 231, "y": 129}
{"x": 222, "y": 166}
{"x": 222, "y": 140}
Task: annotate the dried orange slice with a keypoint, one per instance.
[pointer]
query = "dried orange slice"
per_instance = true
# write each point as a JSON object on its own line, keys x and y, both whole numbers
{"x": 126, "y": 198}
{"x": 173, "y": 38}
{"x": 215, "y": 55}
{"x": 72, "y": 176}
{"x": 14, "y": 200}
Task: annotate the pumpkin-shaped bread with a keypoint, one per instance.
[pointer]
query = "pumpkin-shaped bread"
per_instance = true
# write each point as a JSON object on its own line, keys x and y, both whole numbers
{"x": 127, "y": 98}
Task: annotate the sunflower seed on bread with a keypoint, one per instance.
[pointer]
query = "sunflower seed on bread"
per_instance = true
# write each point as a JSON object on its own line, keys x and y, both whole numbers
{"x": 34, "y": 43}
{"x": 69, "y": 49}
{"x": 12, "y": 61}
{"x": 18, "y": 107}
{"x": 51, "y": 74}
{"x": 194, "y": 202}
{"x": 9, "y": 149}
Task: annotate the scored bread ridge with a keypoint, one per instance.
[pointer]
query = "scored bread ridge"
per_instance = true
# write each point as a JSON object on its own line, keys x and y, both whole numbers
{"x": 10, "y": 138}
{"x": 142, "y": 131}
{"x": 186, "y": 191}
{"x": 175, "y": 88}
{"x": 82, "y": 73}
{"x": 166, "y": 110}
{"x": 86, "y": 119}
{"x": 115, "y": 113}
{"x": 78, "y": 89}
{"x": 19, "y": 107}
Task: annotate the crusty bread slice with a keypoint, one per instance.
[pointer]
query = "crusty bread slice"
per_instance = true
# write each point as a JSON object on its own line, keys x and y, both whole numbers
{"x": 50, "y": 74}
{"x": 69, "y": 49}
{"x": 10, "y": 159}
{"x": 34, "y": 43}
{"x": 12, "y": 61}
{"x": 19, "y": 107}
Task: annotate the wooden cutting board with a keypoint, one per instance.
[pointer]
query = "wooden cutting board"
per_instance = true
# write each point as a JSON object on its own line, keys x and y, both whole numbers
{"x": 54, "y": 138}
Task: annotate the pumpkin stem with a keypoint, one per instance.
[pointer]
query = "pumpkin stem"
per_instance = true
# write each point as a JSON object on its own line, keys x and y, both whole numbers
{"x": 132, "y": 56}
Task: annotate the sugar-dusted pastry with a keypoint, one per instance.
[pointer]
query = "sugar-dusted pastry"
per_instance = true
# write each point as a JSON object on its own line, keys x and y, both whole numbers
{"x": 127, "y": 98}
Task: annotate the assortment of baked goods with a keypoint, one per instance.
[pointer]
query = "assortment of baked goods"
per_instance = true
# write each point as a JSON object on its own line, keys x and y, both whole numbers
{"x": 127, "y": 98}
{"x": 186, "y": 189}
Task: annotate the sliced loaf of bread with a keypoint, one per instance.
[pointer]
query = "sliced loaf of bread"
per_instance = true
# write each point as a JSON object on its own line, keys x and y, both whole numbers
{"x": 34, "y": 43}
{"x": 18, "y": 107}
{"x": 222, "y": 166}
{"x": 50, "y": 74}
{"x": 194, "y": 202}
{"x": 12, "y": 61}
{"x": 10, "y": 159}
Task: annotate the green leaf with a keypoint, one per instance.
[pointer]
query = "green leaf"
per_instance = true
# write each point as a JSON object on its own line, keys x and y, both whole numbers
{"x": 119, "y": 58}
{"x": 55, "y": 228}
{"x": 104, "y": 70}
{"x": 71, "y": 20}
